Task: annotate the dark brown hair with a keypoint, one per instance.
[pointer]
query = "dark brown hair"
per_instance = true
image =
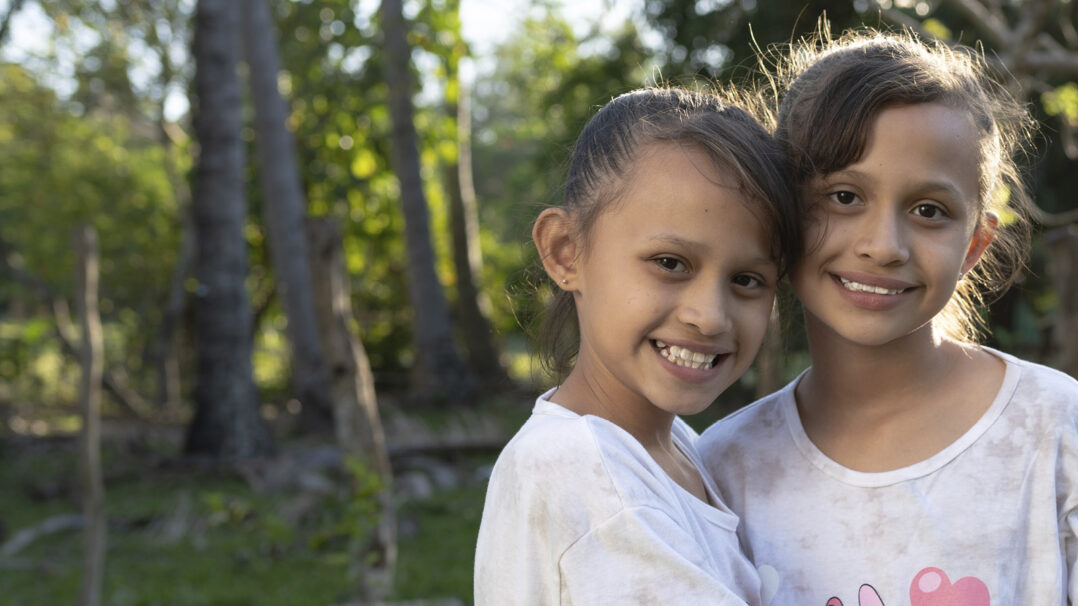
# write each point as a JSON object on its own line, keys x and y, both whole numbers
{"x": 835, "y": 88}
{"x": 617, "y": 135}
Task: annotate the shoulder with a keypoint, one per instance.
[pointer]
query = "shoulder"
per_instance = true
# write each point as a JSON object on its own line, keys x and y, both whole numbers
{"x": 548, "y": 488}
{"x": 747, "y": 440}
{"x": 764, "y": 416}
{"x": 573, "y": 466}
{"x": 1038, "y": 399}
{"x": 1048, "y": 378}
{"x": 548, "y": 443}
{"x": 1040, "y": 384}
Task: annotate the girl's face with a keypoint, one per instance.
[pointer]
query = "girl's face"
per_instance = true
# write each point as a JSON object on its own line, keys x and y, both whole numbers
{"x": 674, "y": 291}
{"x": 891, "y": 234}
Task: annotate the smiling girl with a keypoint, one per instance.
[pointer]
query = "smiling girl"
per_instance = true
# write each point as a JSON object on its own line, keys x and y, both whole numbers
{"x": 665, "y": 254}
{"x": 907, "y": 465}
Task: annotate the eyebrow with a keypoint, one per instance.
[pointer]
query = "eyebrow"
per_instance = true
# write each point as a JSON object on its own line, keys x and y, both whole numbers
{"x": 696, "y": 247}
{"x": 675, "y": 240}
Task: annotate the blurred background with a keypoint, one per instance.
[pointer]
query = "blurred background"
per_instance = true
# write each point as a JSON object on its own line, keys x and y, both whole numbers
{"x": 267, "y": 290}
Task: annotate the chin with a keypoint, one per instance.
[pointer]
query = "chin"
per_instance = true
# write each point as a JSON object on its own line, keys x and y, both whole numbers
{"x": 687, "y": 409}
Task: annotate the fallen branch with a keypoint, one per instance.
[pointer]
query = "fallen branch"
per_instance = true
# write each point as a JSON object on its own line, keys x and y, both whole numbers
{"x": 53, "y": 525}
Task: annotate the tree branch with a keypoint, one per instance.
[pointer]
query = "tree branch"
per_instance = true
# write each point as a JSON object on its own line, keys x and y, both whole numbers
{"x": 991, "y": 23}
{"x": 5, "y": 25}
{"x": 131, "y": 402}
{"x": 1059, "y": 62}
{"x": 1048, "y": 219}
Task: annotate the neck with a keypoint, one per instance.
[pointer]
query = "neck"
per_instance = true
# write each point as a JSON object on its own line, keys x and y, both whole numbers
{"x": 860, "y": 378}
{"x": 877, "y": 408}
{"x": 583, "y": 395}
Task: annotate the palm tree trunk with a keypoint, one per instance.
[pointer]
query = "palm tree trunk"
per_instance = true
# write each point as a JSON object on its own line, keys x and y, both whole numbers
{"x": 438, "y": 373}
{"x": 284, "y": 211}
{"x": 226, "y": 424}
{"x": 473, "y": 305}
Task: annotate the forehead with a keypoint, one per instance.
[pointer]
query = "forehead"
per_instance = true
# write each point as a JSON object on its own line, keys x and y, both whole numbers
{"x": 682, "y": 191}
{"x": 925, "y": 143}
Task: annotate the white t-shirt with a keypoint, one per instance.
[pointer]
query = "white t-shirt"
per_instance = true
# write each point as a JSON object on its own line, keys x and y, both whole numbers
{"x": 577, "y": 512}
{"x": 990, "y": 519}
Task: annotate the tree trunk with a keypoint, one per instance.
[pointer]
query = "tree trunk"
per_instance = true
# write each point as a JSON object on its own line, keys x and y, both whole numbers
{"x": 768, "y": 366}
{"x": 226, "y": 423}
{"x": 473, "y": 305}
{"x": 165, "y": 349}
{"x": 355, "y": 406}
{"x": 91, "y": 356}
{"x": 1063, "y": 268}
{"x": 284, "y": 210}
{"x": 165, "y": 354}
{"x": 438, "y": 373}
{"x": 5, "y": 23}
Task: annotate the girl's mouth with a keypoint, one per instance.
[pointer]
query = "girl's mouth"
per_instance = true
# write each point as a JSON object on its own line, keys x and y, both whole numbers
{"x": 686, "y": 357}
{"x": 876, "y": 290}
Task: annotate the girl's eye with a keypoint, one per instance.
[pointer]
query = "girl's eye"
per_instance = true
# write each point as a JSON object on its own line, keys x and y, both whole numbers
{"x": 928, "y": 211}
{"x": 671, "y": 264}
{"x": 844, "y": 197}
{"x": 748, "y": 281}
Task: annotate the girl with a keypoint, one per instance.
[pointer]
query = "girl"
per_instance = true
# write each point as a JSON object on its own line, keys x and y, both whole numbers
{"x": 666, "y": 253}
{"x": 907, "y": 465}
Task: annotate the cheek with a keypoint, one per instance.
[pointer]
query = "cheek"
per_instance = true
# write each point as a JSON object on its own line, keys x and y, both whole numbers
{"x": 753, "y": 322}
{"x": 815, "y": 227}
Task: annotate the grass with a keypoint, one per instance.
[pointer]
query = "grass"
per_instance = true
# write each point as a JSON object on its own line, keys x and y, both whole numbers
{"x": 436, "y": 561}
{"x": 191, "y": 538}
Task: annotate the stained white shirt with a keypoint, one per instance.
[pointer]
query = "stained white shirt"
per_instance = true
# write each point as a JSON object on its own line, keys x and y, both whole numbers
{"x": 990, "y": 519}
{"x": 577, "y": 512}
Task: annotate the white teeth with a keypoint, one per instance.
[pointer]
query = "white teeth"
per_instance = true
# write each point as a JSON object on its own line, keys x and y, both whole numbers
{"x": 685, "y": 357}
{"x": 878, "y": 290}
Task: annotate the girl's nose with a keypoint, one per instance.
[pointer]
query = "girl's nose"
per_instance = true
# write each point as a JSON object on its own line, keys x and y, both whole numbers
{"x": 881, "y": 238}
{"x": 707, "y": 309}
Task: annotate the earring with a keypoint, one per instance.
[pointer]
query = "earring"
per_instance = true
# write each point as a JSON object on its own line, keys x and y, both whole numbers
{"x": 564, "y": 281}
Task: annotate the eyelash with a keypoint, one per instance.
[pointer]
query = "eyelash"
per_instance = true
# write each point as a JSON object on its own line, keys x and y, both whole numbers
{"x": 933, "y": 207}
{"x": 936, "y": 208}
{"x": 757, "y": 282}
{"x": 835, "y": 197}
{"x": 664, "y": 264}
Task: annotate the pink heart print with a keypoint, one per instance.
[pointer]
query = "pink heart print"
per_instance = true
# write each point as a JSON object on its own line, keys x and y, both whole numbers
{"x": 931, "y": 587}
{"x": 866, "y": 596}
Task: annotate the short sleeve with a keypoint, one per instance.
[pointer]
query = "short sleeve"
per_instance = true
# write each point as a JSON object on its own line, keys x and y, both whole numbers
{"x": 641, "y": 556}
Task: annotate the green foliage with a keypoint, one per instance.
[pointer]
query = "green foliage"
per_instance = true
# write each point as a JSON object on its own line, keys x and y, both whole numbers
{"x": 350, "y": 517}
{"x": 198, "y": 538}
{"x": 62, "y": 169}
{"x": 715, "y": 40}
{"x": 331, "y": 60}
{"x": 436, "y": 559}
{"x": 1062, "y": 101}
{"x": 95, "y": 153}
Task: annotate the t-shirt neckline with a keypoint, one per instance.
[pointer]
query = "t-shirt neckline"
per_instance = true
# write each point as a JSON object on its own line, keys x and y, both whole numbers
{"x": 920, "y": 469}
{"x": 715, "y": 512}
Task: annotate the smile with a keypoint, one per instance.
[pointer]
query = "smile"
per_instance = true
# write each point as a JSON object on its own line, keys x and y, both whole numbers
{"x": 686, "y": 357}
{"x": 876, "y": 290}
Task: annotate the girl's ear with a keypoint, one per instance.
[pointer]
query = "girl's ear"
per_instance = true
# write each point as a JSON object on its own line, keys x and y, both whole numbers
{"x": 982, "y": 237}
{"x": 553, "y": 235}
